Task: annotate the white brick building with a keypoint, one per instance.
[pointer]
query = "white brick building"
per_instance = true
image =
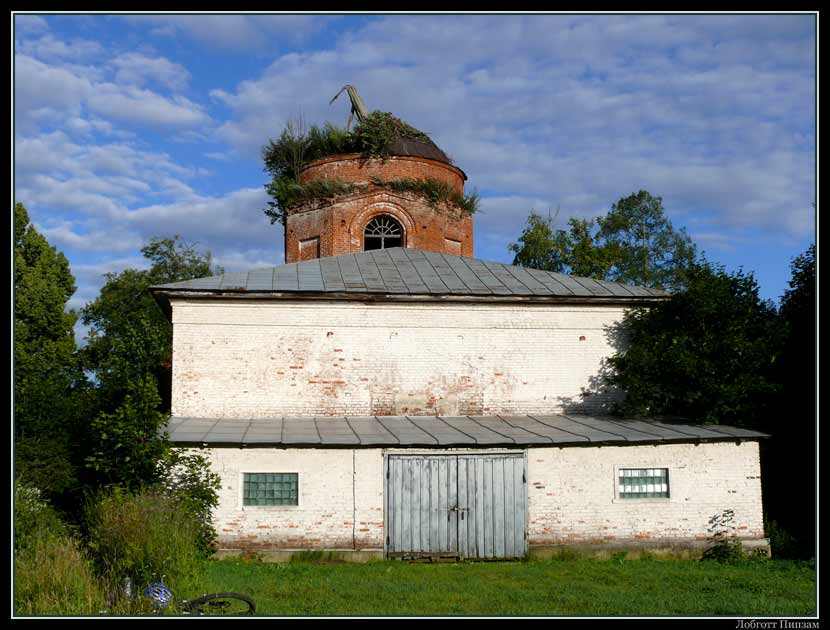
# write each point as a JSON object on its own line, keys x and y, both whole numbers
{"x": 409, "y": 402}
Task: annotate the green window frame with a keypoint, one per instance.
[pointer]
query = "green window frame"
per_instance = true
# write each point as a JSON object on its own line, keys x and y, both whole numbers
{"x": 270, "y": 489}
{"x": 643, "y": 483}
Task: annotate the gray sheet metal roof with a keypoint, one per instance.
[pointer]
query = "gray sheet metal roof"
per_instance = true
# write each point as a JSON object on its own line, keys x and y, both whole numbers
{"x": 443, "y": 431}
{"x": 406, "y": 271}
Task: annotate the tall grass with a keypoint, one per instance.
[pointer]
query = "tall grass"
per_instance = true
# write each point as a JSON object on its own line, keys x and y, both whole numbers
{"x": 54, "y": 577}
{"x": 52, "y": 574}
{"x": 143, "y": 536}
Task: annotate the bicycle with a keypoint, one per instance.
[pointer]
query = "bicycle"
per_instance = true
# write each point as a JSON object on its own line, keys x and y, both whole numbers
{"x": 209, "y": 604}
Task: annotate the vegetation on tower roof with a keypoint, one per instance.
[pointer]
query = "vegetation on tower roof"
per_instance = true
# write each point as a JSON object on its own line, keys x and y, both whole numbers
{"x": 379, "y": 135}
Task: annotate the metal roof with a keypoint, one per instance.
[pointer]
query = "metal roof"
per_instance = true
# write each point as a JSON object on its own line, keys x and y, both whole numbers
{"x": 418, "y": 148}
{"x": 405, "y": 271}
{"x": 443, "y": 431}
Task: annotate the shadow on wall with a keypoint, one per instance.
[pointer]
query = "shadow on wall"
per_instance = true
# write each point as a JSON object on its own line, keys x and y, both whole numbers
{"x": 599, "y": 398}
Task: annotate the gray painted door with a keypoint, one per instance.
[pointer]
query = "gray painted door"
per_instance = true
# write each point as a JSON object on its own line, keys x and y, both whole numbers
{"x": 471, "y": 506}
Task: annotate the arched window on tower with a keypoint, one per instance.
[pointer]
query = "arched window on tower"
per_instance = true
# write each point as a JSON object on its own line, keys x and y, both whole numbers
{"x": 382, "y": 232}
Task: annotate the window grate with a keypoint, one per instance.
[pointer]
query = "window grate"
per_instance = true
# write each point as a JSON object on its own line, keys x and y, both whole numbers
{"x": 643, "y": 483}
{"x": 269, "y": 489}
{"x": 382, "y": 232}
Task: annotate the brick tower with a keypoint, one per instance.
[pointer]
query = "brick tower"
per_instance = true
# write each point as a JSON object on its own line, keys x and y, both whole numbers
{"x": 374, "y": 216}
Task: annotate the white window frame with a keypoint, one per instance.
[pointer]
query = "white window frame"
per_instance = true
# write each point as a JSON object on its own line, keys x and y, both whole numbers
{"x": 632, "y": 500}
{"x": 240, "y": 500}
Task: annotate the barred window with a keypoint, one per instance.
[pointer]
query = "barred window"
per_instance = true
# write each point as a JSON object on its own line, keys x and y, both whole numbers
{"x": 269, "y": 489}
{"x": 643, "y": 483}
{"x": 382, "y": 232}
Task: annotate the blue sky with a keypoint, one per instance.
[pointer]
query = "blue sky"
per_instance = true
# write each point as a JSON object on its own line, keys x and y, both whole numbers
{"x": 134, "y": 126}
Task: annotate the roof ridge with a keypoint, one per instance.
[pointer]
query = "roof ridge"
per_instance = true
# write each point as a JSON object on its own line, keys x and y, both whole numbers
{"x": 495, "y": 278}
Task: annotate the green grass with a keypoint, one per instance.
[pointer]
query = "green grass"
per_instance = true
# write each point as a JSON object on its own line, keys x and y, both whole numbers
{"x": 549, "y": 588}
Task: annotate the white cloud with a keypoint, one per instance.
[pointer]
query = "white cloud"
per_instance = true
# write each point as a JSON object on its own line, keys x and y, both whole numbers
{"x": 138, "y": 69}
{"x": 30, "y": 24}
{"x": 236, "y": 32}
{"x": 50, "y": 48}
{"x": 713, "y": 113}
{"x": 133, "y": 104}
{"x": 69, "y": 89}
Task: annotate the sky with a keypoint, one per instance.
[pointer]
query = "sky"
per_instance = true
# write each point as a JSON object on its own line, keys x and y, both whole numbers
{"x": 129, "y": 127}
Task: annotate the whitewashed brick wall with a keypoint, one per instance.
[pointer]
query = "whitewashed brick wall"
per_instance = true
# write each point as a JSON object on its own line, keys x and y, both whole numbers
{"x": 340, "y": 494}
{"x": 572, "y": 492}
{"x": 571, "y": 495}
{"x": 246, "y": 359}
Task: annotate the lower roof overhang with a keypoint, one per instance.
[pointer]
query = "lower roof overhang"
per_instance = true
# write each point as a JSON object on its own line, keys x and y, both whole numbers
{"x": 441, "y": 432}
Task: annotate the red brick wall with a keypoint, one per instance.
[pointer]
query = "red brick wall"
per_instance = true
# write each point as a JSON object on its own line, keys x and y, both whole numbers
{"x": 339, "y": 226}
{"x": 353, "y": 167}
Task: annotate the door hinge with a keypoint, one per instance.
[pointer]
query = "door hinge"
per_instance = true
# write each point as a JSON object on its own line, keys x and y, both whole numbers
{"x": 524, "y": 477}
{"x": 387, "y": 474}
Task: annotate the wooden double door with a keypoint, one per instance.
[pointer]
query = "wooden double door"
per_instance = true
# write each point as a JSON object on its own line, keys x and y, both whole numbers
{"x": 465, "y": 506}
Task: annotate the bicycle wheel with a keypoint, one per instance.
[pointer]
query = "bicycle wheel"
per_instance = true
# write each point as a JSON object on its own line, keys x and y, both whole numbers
{"x": 222, "y": 604}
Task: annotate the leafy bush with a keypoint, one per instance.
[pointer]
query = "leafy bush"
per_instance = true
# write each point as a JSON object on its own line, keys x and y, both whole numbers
{"x": 706, "y": 353}
{"x": 725, "y": 551}
{"x": 127, "y": 444}
{"x": 34, "y": 518}
{"x": 187, "y": 476}
{"x": 144, "y": 536}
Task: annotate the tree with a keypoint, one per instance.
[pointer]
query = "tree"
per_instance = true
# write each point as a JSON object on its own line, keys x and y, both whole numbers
{"x": 646, "y": 249}
{"x": 790, "y": 454}
{"x": 45, "y": 369}
{"x": 705, "y": 354}
{"x": 574, "y": 251}
{"x": 634, "y": 243}
{"x": 129, "y": 352}
{"x": 539, "y": 246}
{"x": 129, "y": 335}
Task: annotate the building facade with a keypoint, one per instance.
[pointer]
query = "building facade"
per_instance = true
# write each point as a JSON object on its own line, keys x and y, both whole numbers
{"x": 385, "y": 392}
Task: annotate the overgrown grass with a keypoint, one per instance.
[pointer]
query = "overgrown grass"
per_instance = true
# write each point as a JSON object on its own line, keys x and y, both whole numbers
{"x": 433, "y": 190}
{"x": 53, "y": 576}
{"x": 547, "y": 588}
{"x": 144, "y": 536}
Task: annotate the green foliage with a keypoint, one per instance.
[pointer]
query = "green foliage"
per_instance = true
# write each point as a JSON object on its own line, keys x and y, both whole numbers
{"x": 143, "y": 535}
{"x": 575, "y": 251}
{"x": 791, "y": 453}
{"x": 34, "y": 518}
{"x": 127, "y": 444}
{"x": 634, "y": 243}
{"x": 297, "y": 146}
{"x": 725, "y": 551}
{"x": 52, "y": 576}
{"x": 539, "y": 246}
{"x": 287, "y": 192}
{"x": 433, "y": 190}
{"x": 646, "y": 249}
{"x": 703, "y": 354}
{"x": 46, "y": 373}
{"x": 129, "y": 335}
{"x": 187, "y": 476}
{"x": 129, "y": 351}
{"x": 376, "y": 134}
